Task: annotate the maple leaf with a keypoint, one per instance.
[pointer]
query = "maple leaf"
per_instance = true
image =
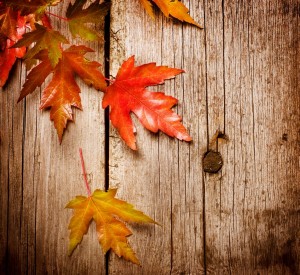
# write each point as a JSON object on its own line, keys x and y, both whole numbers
{"x": 8, "y": 55}
{"x": 78, "y": 17}
{"x": 175, "y": 8}
{"x": 107, "y": 212}
{"x": 8, "y": 22}
{"x": 37, "y": 75}
{"x": 7, "y": 60}
{"x": 63, "y": 92}
{"x": 153, "y": 109}
{"x": 45, "y": 39}
{"x": 103, "y": 208}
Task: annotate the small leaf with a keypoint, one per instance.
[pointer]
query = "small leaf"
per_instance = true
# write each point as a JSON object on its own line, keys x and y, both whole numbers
{"x": 78, "y": 17}
{"x": 107, "y": 212}
{"x": 45, "y": 39}
{"x": 153, "y": 109}
{"x": 175, "y": 8}
{"x": 148, "y": 7}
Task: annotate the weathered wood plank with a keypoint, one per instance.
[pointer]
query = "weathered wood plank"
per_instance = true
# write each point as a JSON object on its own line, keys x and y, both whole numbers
{"x": 39, "y": 176}
{"x": 241, "y": 78}
{"x": 164, "y": 178}
{"x": 11, "y": 173}
{"x": 252, "y": 207}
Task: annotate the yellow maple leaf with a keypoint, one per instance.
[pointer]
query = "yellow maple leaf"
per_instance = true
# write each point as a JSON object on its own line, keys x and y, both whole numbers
{"x": 106, "y": 211}
{"x": 175, "y": 8}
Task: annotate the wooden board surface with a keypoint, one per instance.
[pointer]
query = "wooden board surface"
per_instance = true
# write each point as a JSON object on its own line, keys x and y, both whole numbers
{"x": 39, "y": 176}
{"x": 241, "y": 81}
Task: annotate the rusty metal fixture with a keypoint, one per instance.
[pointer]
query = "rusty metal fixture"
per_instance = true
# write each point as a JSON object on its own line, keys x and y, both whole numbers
{"x": 212, "y": 162}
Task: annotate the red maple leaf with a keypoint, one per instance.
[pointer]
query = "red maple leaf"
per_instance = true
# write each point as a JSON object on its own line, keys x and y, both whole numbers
{"x": 128, "y": 94}
{"x": 8, "y": 55}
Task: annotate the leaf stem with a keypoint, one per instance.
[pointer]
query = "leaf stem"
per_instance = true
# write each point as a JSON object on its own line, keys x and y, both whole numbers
{"x": 57, "y": 16}
{"x": 84, "y": 173}
{"x": 46, "y": 21}
{"x": 109, "y": 80}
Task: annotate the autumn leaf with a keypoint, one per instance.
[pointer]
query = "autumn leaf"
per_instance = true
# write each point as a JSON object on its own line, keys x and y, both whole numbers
{"x": 103, "y": 208}
{"x": 44, "y": 39}
{"x": 175, "y": 8}
{"x": 78, "y": 17}
{"x": 31, "y": 6}
{"x": 8, "y": 22}
{"x": 7, "y": 60}
{"x": 108, "y": 213}
{"x": 8, "y": 56}
{"x": 37, "y": 75}
{"x": 63, "y": 92}
{"x": 153, "y": 109}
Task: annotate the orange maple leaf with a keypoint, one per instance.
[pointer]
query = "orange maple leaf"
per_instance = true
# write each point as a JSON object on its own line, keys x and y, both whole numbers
{"x": 175, "y": 8}
{"x": 63, "y": 92}
{"x": 153, "y": 109}
{"x": 107, "y": 212}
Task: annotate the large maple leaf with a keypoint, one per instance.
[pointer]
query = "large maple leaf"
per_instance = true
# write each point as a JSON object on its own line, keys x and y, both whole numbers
{"x": 78, "y": 17}
{"x": 153, "y": 109}
{"x": 44, "y": 39}
{"x": 175, "y": 8}
{"x": 106, "y": 211}
{"x": 63, "y": 92}
{"x": 8, "y": 56}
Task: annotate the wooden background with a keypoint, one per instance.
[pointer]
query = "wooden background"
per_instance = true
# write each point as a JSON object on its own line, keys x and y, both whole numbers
{"x": 242, "y": 79}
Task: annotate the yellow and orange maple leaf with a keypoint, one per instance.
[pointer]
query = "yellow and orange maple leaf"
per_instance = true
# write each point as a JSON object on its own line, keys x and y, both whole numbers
{"x": 63, "y": 92}
{"x": 175, "y": 8}
{"x": 106, "y": 211}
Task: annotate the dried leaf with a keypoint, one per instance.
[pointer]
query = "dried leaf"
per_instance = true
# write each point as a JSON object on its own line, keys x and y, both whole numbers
{"x": 107, "y": 212}
{"x": 175, "y": 8}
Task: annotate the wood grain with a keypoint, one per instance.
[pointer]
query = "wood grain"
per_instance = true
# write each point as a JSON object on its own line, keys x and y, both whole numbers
{"x": 39, "y": 176}
{"x": 252, "y": 206}
{"x": 241, "y": 72}
{"x": 241, "y": 81}
{"x": 164, "y": 177}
